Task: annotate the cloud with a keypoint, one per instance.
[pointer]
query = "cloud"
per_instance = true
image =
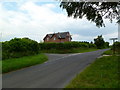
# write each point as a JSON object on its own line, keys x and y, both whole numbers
{"x": 119, "y": 32}
{"x": 35, "y": 21}
{"x": 78, "y": 37}
{"x": 111, "y": 35}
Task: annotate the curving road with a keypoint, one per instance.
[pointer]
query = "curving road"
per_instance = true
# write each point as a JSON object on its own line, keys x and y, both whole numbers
{"x": 55, "y": 73}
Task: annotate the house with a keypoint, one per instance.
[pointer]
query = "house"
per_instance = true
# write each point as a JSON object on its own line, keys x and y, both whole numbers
{"x": 59, "y": 37}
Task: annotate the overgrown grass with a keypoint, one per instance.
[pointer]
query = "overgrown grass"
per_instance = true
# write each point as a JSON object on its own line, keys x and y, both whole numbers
{"x": 74, "y": 50}
{"x": 103, "y": 73}
{"x": 18, "y": 63}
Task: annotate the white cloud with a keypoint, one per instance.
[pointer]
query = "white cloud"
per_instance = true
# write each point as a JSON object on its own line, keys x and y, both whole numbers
{"x": 119, "y": 32}
{"x": 78, "y": 37}
{"x": 111, "y": 35}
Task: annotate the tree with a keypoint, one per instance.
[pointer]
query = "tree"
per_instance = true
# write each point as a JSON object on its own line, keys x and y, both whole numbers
{"x": 99, "y": 42}
{"x": 106, "y": 44}
{"x": 93, "y": 11}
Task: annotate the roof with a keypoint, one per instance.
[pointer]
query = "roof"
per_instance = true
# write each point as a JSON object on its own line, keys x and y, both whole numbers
{"x": 60, "y": 35}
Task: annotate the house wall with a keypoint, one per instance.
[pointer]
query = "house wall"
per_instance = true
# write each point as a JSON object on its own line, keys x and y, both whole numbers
{"x": 56, "y": 40}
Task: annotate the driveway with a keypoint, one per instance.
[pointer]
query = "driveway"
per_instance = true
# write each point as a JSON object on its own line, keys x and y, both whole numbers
{"x": 56, "y": 73}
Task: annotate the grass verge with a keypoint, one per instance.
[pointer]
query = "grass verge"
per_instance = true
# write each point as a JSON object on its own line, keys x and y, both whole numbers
{"x": 18, "y": 63}
{"x": 108, "y": 52}
{"x": 103, "y": 73}
{"x": 74, "y": 50}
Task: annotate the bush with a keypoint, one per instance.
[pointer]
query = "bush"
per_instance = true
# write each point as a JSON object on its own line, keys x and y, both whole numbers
{"x": 19, "y": 47}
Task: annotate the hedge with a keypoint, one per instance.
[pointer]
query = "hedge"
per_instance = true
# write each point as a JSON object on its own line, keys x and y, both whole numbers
{"x": 66, "y": 45}
{"x": 19, "y": 47}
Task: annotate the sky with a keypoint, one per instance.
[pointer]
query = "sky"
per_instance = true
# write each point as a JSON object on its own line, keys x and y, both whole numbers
{"x": 35, "y": 19}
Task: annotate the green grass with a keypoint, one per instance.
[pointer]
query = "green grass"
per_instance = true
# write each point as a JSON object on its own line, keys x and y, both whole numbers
{"x": 108, "y": 52}
{"x": 82, "y": 50}
{"x": 103, "y": 73}
{"x": 74, "y": 50}
{"x": 18, "y": 63}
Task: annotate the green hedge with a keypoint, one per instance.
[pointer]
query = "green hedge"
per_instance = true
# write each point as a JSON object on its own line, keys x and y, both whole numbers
{"x": 19, "y": 47}
{"x": 117, "y": 47}
{"x": 66, "y": 45}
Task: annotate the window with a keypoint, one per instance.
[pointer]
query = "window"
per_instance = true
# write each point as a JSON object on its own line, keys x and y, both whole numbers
{"x": 54, "y": 38}
{"x": 47, "y": 39}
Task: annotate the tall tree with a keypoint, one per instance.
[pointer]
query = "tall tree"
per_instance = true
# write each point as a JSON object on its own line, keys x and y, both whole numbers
{"x": 93, "y": 11}
{"x": 99, "y": 42}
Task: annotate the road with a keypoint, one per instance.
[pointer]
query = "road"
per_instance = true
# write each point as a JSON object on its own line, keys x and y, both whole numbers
{"x": 55, "y": 73}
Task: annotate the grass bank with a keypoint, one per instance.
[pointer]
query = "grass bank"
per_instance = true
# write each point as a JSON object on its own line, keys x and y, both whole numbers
{"x": 18, "y": 63}
{"x": 103, "y": 73}
{"x": 74, "y": 50}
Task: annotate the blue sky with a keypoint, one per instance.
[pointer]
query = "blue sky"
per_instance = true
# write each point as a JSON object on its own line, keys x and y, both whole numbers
{"x": 36, "y": 19}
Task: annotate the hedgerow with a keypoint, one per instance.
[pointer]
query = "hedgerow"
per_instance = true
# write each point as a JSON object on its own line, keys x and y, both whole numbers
{"x": 19, "y": 47}
{"x": 116, "y": 46}
{"x": 66, "y": 45}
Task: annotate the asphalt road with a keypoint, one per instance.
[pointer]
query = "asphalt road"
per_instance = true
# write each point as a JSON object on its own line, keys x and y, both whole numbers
{"x": 56, "y": 73}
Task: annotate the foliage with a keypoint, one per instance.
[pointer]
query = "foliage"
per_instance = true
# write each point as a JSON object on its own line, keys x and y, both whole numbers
{"x": 115, "y": 49}
{"x": 72, "y": 50}
{"x": 103, "y": 73}
{"x": 106, "y": 45}
{"x": 18, "y": 63}
{"x": 19, "y": 47}
{"x": 116, "y": 45}
{"x": 100, "y": 43}
{"x": 66, "y": 45}
{"x": 93, "y": 11}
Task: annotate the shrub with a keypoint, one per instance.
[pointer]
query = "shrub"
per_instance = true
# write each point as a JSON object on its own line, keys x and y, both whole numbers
{"x": 19, "y": 47}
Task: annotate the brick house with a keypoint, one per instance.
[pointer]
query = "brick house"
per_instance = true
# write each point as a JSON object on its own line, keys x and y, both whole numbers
{"x": 59, "y": 37}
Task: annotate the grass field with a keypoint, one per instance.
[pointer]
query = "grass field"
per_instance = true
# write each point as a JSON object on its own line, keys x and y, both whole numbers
{"x": 18, "y": 63}
{"x": 103, "y": 73}
{"x": 74, "y": 50}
